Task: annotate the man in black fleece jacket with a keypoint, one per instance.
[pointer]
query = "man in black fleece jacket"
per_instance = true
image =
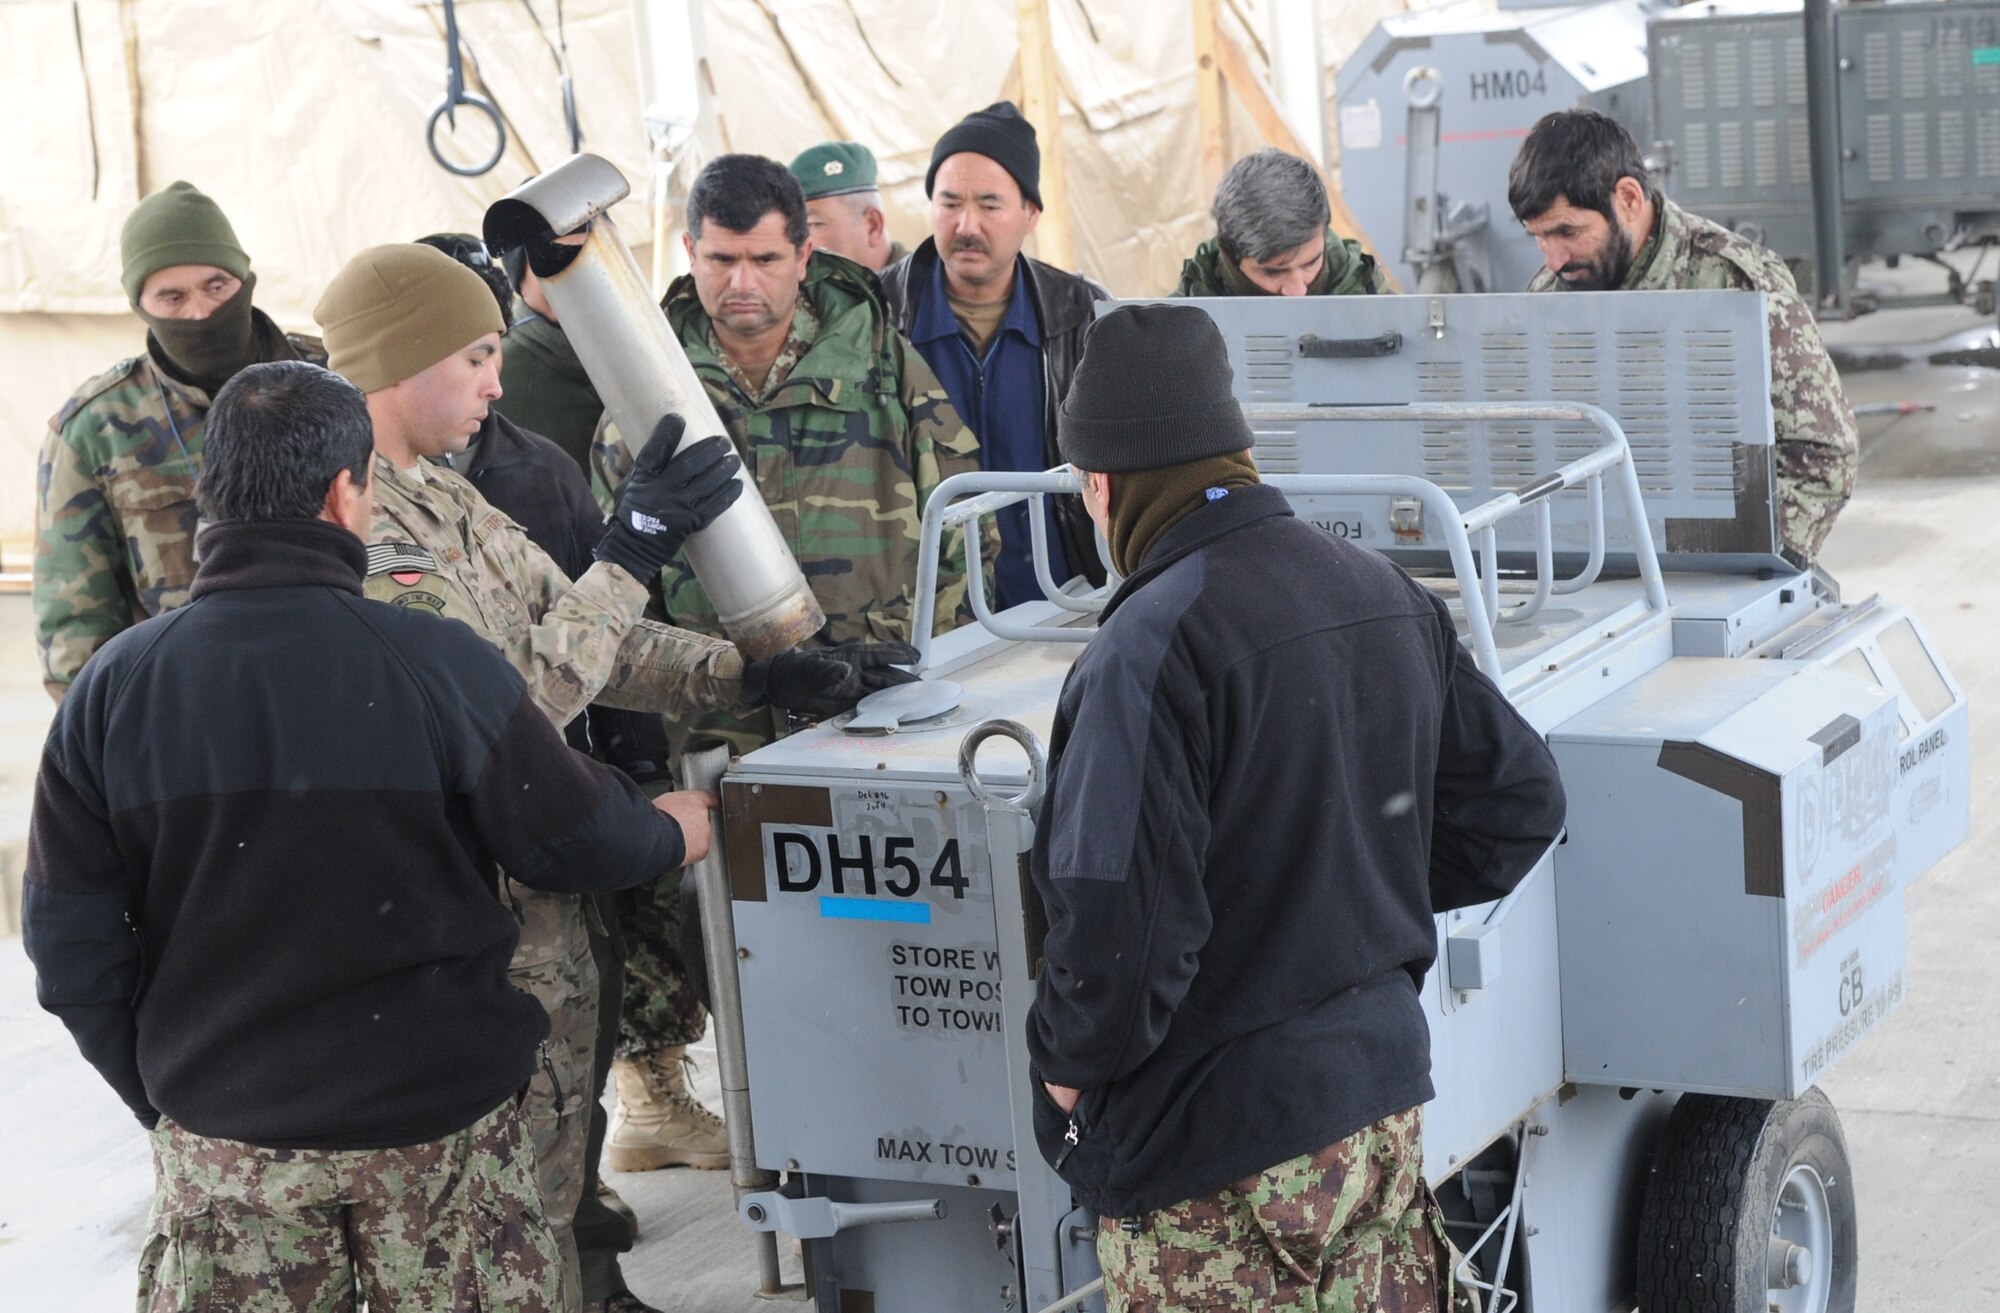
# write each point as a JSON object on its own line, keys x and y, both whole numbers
{"x": 1268, "y": 770}
{"x": 261, "y": 894}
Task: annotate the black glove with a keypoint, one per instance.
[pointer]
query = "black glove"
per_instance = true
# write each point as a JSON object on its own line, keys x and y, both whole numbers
{"x": 875, "y": 663}
{"x": 667, "y": 498}
{"x": 828, "y": 681}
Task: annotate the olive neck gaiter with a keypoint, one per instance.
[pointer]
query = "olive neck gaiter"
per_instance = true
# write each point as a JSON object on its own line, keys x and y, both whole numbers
{"x": 1147, "y": 503}
{"x": 206, "y": 353}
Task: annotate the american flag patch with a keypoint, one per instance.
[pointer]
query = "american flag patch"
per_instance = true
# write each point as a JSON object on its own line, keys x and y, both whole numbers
{"x": 396, "y": 558}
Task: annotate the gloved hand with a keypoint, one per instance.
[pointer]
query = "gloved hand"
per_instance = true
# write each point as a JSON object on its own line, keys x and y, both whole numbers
{"x": 667, "y": 498}
{"x": 875, "y": 663}
{"x": 828, "y": 681}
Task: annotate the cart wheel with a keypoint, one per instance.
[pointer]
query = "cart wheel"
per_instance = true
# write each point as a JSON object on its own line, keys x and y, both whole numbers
{"x": 1749, "y": 1209}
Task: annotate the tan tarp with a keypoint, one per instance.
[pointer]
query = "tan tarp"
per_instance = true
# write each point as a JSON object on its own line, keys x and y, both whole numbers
{"x": 305, "y": 120}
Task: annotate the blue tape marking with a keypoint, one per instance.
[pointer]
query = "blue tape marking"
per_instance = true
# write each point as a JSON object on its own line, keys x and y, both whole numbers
{"x": 869, "y": 909}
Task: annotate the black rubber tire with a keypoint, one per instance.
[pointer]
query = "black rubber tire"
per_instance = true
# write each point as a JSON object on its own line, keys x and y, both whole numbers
{"x": 1705, "y": 1226}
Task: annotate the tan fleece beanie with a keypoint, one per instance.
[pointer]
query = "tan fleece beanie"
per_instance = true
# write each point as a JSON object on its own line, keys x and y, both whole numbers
{"x": 396, "y": 310}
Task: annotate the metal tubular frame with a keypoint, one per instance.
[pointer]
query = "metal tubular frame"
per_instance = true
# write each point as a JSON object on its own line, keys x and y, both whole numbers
{"x": 1038, "y": 535}
{"x": 703, "y": 768}
{"x": 1499, "y": 1297}
{"x": 1479, "y": 589}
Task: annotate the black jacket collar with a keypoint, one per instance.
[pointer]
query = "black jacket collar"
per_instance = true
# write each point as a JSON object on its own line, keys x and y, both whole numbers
{"x": 278, "y": 554}
{"x": 500, "y": 445}
{"x": 1197, "y": 529}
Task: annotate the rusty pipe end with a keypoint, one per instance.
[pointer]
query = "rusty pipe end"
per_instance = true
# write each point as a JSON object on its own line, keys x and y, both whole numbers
{"x": 779, "y": 627}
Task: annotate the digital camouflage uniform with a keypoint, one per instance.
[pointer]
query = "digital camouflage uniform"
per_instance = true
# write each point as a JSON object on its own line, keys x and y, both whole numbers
{"x": 116, "y": 515}
{"x": 1350, "y": 1228}
{"x": 1817, "y": 448}
{"x": 435, "y": 543}
{"x": 844, "y": 439}
{"x": 254, "y": 1230}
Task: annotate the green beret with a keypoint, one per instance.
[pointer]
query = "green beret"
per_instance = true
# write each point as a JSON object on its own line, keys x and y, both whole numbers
{"x": 835, "y": 168}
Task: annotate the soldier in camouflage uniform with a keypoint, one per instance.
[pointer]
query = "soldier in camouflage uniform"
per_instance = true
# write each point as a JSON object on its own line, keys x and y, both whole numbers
{"x": 1227, "y": 1034}
{"x": 116, "y": 520}
{"x": 312, "y": 791}
{"x": 845, "y": 431}
{"x": 1579, "y": 186}
{"x": 1350, "y": 1228}
{"x": 844, "y": 204}
{"x": 1273, "y": 237}
{"x": 463, "y": 1251}
{"x": 437, "y": 545}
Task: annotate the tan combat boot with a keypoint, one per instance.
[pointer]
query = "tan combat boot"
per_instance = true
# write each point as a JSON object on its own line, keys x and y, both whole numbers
{"x": 658, "y": 1121}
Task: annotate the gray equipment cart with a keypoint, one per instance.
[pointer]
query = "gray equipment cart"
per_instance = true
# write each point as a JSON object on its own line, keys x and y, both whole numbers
{"x": 1433, "y": 105}
{"x": 1625, "y": 1048}
{"x": 1918, "y": 134}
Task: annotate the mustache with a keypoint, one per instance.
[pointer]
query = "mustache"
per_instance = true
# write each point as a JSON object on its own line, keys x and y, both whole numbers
{"x": 971, "y": 244}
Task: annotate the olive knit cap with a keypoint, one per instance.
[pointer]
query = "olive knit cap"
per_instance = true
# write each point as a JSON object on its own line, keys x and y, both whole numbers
{"x": 396, "y": 310}
{"x": 174, "y": 226}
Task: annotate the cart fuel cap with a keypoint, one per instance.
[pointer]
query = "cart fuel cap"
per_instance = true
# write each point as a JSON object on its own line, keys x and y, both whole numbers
{"x": 889, "y": 709}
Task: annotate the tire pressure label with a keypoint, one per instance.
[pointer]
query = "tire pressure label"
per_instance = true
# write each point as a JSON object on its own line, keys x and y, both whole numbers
{"x": 1862, "y": 1003}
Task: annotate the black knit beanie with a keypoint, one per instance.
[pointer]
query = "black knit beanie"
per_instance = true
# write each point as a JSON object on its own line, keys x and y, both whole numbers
{"x": 1000, "y": 134}
{"x": 1152, "y": 389}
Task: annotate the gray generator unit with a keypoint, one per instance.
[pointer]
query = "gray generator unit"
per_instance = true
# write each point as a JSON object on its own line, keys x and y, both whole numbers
{"x": 1625, "y": 1048}
{"x": 1432, "y": 107}
{"x": 1919, "y": 94}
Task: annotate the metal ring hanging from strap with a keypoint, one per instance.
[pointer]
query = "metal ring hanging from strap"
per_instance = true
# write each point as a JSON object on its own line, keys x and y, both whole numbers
{"x": 456, "y": 95}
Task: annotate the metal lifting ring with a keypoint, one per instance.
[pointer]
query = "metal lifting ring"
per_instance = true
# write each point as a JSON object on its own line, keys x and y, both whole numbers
{"x": 1038, "y": 764}
{"x": 1423, "y": 87}
{"x": 448, "y": 105}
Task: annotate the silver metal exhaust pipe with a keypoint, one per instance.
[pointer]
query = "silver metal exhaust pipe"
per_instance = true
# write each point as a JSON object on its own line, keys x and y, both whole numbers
{"x": 638, "y": 367}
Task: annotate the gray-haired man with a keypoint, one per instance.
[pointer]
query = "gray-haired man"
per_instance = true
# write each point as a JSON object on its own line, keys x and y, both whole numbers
{"x": 1272, "y": 237}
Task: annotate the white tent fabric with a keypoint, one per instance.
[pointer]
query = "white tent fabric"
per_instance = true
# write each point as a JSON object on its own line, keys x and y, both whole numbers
{"x": 305, "y": 121}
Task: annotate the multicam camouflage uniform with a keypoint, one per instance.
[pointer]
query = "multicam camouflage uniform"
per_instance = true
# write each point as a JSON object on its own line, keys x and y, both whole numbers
{"x": 1817, "y": 449}
{"x": 1350, "y": 1228}
{"x": 450, "y": 1225}
{"x": 435, "y": 543}
{"x": 844, "y": 438}
{"x": 116, "y": 515}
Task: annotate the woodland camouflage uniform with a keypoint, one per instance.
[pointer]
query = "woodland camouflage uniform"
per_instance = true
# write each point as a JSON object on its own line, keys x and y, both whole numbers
{"x": 116, "y": 518}
{"x": 844, "y": 439}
